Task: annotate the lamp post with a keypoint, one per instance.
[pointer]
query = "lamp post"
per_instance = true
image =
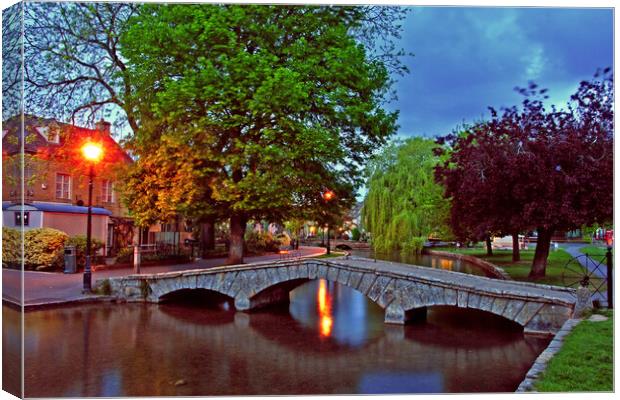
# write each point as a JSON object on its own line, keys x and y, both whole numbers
{"x": 609, "y": 238}
{"x": 92, "y": 152}
{"x": 327, "y": 196}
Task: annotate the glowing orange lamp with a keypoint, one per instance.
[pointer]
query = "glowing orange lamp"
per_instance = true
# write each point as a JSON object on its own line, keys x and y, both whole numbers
{"x": 92, "y": 152}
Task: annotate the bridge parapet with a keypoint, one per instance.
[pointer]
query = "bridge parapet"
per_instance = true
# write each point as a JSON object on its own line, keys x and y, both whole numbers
{"x": 400, "y": 289}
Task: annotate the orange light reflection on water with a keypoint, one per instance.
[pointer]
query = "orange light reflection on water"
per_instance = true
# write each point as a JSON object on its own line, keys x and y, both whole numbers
{"x": 325, "y": 309}
{"x": 447, "y": 264}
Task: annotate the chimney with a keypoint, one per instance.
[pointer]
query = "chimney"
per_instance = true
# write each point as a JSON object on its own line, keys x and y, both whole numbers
{"x": 103, "y": 126}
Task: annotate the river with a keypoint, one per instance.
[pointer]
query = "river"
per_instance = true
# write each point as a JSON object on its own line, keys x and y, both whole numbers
{"x": 330, "y": 339}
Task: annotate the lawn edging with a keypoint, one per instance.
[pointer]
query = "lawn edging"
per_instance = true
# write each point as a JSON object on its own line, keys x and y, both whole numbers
{"x": 540, "y": 365}
{"x": 485, "y": 265}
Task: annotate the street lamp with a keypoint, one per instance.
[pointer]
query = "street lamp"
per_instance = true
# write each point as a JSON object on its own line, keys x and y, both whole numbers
{"x": 92, "y": 152}
{"x": 327, "y": 196}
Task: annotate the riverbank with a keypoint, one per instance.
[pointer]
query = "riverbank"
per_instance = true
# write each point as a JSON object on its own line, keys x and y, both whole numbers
{"x": 520, "y": 270}
{"x": 491, "y": 268}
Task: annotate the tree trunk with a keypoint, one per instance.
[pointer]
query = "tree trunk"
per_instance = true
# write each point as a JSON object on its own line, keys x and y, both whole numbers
{"x": 489, "y": 247}
{"x": 208, "y": 234}
{"x": 516, "y": 255}
{"x": 543, "y": 243}
{"x": 237, "y": 230}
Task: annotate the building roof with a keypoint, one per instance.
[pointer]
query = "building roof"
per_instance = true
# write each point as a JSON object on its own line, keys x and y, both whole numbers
{"x": 35, "y": 130}
{"x": 55, "y": 207}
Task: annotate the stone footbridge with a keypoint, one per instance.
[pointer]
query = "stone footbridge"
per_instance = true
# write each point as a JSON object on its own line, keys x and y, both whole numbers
{"x": 402, "y": 290}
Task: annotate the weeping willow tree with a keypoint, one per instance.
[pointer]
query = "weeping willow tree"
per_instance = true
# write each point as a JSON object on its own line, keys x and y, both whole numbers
{"x": 404, "y": 204}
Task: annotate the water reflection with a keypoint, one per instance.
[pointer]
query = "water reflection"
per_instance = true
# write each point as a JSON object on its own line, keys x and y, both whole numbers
{"x": 335, "y": 312}
{"x": 146, "y": 350}
{"x": 325, "y": 308}
{"x": 425, "y": 261}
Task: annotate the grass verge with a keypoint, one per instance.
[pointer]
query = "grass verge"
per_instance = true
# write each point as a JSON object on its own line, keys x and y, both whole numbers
{"x": 594, "y": 250}
{"x": 585, "y": 362}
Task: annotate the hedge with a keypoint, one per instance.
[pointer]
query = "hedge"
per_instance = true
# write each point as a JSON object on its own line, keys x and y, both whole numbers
{"x": 44, "y": 248}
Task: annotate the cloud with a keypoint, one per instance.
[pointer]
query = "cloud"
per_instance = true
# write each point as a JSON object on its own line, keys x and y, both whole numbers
{"x": 469, "y": 58}
{"x": 536, "y": 62}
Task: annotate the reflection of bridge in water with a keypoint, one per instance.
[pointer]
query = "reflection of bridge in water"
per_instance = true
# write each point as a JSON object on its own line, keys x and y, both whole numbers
{"x": 398, "y": 350}
{"x": 399, "y": 289}
{"x": 143, "y": 350}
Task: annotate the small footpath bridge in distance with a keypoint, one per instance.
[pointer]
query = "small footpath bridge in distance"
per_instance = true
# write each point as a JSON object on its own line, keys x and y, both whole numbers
{"x": 401, "y": 290}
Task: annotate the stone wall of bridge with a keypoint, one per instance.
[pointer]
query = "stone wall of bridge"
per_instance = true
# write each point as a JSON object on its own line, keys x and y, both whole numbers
{"x": 399, "y": 289}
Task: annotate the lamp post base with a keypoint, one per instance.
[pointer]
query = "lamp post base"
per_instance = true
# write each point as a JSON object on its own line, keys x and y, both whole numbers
{"x": 87, "y": 276}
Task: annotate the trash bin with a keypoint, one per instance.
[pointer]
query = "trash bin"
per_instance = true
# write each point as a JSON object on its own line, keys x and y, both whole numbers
{"x": 70, "y": 260}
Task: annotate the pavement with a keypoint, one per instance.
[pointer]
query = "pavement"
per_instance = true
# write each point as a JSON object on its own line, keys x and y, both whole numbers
{"x": 54, "y": 288}
{"x": 574, "y": 250}
{"x": 597, "y": 265}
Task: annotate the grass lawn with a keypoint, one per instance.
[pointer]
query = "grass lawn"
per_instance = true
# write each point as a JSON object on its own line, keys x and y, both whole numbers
{"x": 594, "y": 250}
{"x": 556, "y": 272}
{"x": 585, "y": 362}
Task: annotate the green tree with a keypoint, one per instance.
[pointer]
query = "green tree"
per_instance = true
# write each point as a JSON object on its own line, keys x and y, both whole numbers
{"x": 262, "y": 106}
{"x": 404, "y": 205}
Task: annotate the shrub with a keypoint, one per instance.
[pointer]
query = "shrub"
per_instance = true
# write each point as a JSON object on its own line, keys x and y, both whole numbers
{"x": 124, "y": 255}
{"x": 80, "y": 248}
{"x": 104, "y": 288}
{"x": 11, "y": 248}
{"x": 413, "y": 245}
{"x": 257, "y": 242}
{"x": 44, "y": 248}
{"x": 283, "y": 239}
{"x": 355, "y": 234}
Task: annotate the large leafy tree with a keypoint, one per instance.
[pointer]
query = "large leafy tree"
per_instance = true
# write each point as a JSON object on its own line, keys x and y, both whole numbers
{"x": 270, "y": 104}
{"x": 404, "y": 204}
{"x": 534, "y": 168}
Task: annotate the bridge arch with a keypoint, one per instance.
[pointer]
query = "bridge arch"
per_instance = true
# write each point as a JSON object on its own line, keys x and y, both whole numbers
{"x": 272, "y": 285}
{"x": 195, "y": 295}
{"x": 397, "y": 288}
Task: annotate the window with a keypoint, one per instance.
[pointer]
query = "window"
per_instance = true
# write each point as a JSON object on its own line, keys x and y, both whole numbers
{"x": 28, "y": 173}
{"x": 63, "y": 186}
{"x": 18, "y": 218}
{"x": 107, "y": 191}
{"x": 110, "y": 238}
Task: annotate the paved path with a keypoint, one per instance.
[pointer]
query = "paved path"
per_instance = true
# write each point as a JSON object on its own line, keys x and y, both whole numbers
{"x": 52, "y": 287}
{"x": 574, "y": 250}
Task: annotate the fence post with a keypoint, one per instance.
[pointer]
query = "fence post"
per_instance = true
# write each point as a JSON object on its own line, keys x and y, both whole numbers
{"x": 136, "y": 259}
{"x": 610, "y": 280}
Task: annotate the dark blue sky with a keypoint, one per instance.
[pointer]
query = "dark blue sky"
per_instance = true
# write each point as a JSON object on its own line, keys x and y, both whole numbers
{"x": 468, "y": 58}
